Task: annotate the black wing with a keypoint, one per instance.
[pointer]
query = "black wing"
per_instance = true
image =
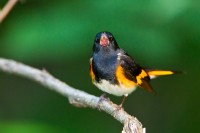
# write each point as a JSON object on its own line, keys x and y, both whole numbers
{"x": 134, "y": 71}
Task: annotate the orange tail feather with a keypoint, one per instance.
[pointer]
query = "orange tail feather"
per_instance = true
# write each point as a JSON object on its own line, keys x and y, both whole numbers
{"x": 156, "y": 73}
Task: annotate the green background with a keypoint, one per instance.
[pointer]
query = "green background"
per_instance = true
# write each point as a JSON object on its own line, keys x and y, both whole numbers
{"x": 58, "y": 36}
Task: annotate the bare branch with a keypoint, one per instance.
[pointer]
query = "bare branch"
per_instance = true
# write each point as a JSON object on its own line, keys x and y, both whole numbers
{"x": 7, "y": 8}
{"x": 75, "y": 96}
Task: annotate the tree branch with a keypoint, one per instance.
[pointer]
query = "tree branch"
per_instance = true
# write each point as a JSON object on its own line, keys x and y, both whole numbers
{"x": 75, "y": 96}
{"x": 7, "y": 8}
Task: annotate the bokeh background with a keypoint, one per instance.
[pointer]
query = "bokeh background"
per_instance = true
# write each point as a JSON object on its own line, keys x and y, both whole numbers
{"x": 58, "y": 36}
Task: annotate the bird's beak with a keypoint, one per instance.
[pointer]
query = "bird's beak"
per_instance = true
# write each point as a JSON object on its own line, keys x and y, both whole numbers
{"x": 104, "y": 41}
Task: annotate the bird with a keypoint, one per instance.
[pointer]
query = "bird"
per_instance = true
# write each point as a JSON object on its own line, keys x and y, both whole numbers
{"x": 115, "y": 72}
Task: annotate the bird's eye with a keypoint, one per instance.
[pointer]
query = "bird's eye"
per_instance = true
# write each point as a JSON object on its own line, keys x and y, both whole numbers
{"x": 97, "y": 39}
{"x": 110, "y": 38}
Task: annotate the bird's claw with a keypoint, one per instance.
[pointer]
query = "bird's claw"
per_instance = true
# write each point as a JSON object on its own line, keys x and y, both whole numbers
{"x": 102, "y": 98}
{"x": 118, "y": 108}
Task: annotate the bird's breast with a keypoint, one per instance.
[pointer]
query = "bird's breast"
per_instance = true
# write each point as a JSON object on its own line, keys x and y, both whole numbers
{"x": 115, "y": 89}
{"x": 105, "y": 67}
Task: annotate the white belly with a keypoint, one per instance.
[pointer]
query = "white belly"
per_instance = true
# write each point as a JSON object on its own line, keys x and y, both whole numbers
{"x": 118, "y": 90}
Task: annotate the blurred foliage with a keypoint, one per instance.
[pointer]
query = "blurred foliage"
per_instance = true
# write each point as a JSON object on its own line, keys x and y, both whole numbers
{"x": 59, "y": 36}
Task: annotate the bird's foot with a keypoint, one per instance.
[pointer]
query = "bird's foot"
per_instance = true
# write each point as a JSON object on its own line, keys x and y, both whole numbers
{"x": 118, "y": 108}
{"x": 101, "y": 99}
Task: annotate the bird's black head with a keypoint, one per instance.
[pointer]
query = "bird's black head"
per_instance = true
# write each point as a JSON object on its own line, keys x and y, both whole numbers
{"x": 104, "y": 40}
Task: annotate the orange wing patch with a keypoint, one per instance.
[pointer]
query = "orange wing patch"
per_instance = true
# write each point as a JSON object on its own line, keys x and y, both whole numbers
{"x": 91, "y": 71}
{"x": 122, "y": 79}
{"x": 142, "y": 82}
{"x": 139, "y": 78}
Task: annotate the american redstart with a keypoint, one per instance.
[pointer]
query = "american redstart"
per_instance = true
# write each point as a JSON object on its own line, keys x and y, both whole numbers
{"x": 114, "y": 71}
